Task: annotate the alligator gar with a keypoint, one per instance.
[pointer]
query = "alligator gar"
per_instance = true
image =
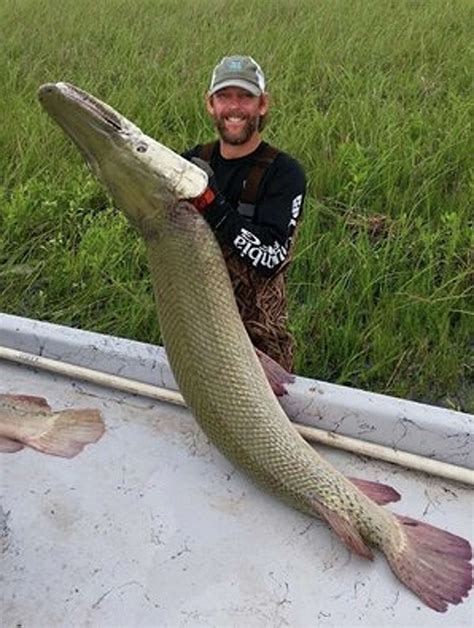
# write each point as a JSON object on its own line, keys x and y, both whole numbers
{"x": 215, "y": 364}
{"x": 26, "y": 420}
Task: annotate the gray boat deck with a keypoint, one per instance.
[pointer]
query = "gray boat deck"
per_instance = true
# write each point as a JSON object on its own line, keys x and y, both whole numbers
{"x": 151, "y": 526}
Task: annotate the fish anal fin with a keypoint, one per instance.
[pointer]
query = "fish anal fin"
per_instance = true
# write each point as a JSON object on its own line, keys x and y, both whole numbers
{"x": 346, "y": 531}
{"x": 379, "y": 493}
{"x": 28, "y": 400}
{"x": 277, "y": 376}
{"x": 68, "y": 432}
{"x": 9, "y": 446}
{"x": 433, "y": 563}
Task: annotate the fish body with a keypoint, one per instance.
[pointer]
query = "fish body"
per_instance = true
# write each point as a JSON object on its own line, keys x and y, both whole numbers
{"x": 29, "y": 420}
{"x": 216, "y": 367}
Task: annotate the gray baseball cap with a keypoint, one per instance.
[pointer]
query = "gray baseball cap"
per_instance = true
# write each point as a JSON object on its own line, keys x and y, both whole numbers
{"x": 238, "y": 71}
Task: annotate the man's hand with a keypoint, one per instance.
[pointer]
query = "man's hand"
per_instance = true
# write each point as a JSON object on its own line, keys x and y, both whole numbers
{"x": 205, "y": 199}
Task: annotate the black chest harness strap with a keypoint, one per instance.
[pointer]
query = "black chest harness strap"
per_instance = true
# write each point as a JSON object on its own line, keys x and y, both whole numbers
{"x": 260, "y": 164}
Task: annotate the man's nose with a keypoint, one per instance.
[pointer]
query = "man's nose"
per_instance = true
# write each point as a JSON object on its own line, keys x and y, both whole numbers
{"x": 235, "y": 100}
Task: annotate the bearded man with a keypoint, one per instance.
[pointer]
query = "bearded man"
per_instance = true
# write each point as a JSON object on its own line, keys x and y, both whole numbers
{"x": 253, "y": 202}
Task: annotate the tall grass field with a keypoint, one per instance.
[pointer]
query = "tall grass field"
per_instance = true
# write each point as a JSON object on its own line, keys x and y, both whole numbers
{"x": 373, "y": 97}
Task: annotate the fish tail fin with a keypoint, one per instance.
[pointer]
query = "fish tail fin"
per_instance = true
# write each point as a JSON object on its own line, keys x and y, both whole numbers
{"x": 68, "y": 432}
{"x": 433, "y": 563}
{"x": 379, "y": 493}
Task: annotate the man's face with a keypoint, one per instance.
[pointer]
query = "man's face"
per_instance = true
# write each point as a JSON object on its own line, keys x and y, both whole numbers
{"x": 236, "y": 113}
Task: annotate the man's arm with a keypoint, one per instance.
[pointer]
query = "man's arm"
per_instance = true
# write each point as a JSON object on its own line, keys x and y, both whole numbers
{"x": 263, "y": 243}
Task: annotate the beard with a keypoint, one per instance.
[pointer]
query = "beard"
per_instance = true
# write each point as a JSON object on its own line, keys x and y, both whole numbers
{"x": 251, "y": 126}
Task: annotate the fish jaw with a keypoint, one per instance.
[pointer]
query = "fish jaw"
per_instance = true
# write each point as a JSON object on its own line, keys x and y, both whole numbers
{"x": 141, "y": 174}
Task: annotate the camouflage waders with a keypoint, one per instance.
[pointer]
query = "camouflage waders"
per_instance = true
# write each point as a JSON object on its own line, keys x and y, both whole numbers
{"x": 263, "y": 308}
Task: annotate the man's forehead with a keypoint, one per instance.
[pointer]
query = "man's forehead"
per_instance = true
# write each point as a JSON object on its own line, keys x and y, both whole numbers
{"x": 233, "y": 89}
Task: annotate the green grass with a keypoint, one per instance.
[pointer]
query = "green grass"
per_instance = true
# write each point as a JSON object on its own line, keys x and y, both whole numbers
{"x": 373, "y": 97}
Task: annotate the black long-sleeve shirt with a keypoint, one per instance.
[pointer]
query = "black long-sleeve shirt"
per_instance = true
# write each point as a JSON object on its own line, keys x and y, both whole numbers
{"x": 263, "y": 240}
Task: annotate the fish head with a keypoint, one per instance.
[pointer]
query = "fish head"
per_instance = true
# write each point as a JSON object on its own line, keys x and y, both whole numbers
{"x": 142, "y": 175}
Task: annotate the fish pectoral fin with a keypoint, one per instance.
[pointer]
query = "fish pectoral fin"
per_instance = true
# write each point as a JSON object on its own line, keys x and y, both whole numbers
{"x": 379, "y": 493}
{"x": 277, "y": 376}
{"x": 9, "y": 446}
{"x": 68, "y": 432}
{"x": 346, "y": 531}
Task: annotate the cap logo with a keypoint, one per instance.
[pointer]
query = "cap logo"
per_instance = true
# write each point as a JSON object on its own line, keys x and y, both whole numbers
{"x": 235, "y": 66}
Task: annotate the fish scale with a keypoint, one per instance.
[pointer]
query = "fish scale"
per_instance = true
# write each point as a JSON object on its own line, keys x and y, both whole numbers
{"x": 219, "y": 374}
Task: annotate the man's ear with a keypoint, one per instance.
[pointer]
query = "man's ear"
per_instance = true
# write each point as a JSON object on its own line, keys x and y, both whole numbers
{"x": 264, "y": 104}
{"x": 209, "y": 105}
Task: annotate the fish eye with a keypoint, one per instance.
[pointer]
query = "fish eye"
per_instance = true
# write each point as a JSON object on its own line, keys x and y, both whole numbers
{"x": 142, "y": 147}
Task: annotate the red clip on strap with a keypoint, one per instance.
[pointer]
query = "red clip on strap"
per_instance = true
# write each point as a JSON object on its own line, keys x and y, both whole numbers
{"x": 206, "y": 198}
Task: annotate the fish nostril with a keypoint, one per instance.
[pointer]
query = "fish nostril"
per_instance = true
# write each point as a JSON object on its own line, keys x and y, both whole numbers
{"x": 45, "y": 89}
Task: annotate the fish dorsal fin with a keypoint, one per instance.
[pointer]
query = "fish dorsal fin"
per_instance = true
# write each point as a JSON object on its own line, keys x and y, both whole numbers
{"x": 379, "y": 493}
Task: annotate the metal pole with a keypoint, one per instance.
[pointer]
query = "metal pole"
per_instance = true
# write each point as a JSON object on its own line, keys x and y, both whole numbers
{"x": 354, "y": 445}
